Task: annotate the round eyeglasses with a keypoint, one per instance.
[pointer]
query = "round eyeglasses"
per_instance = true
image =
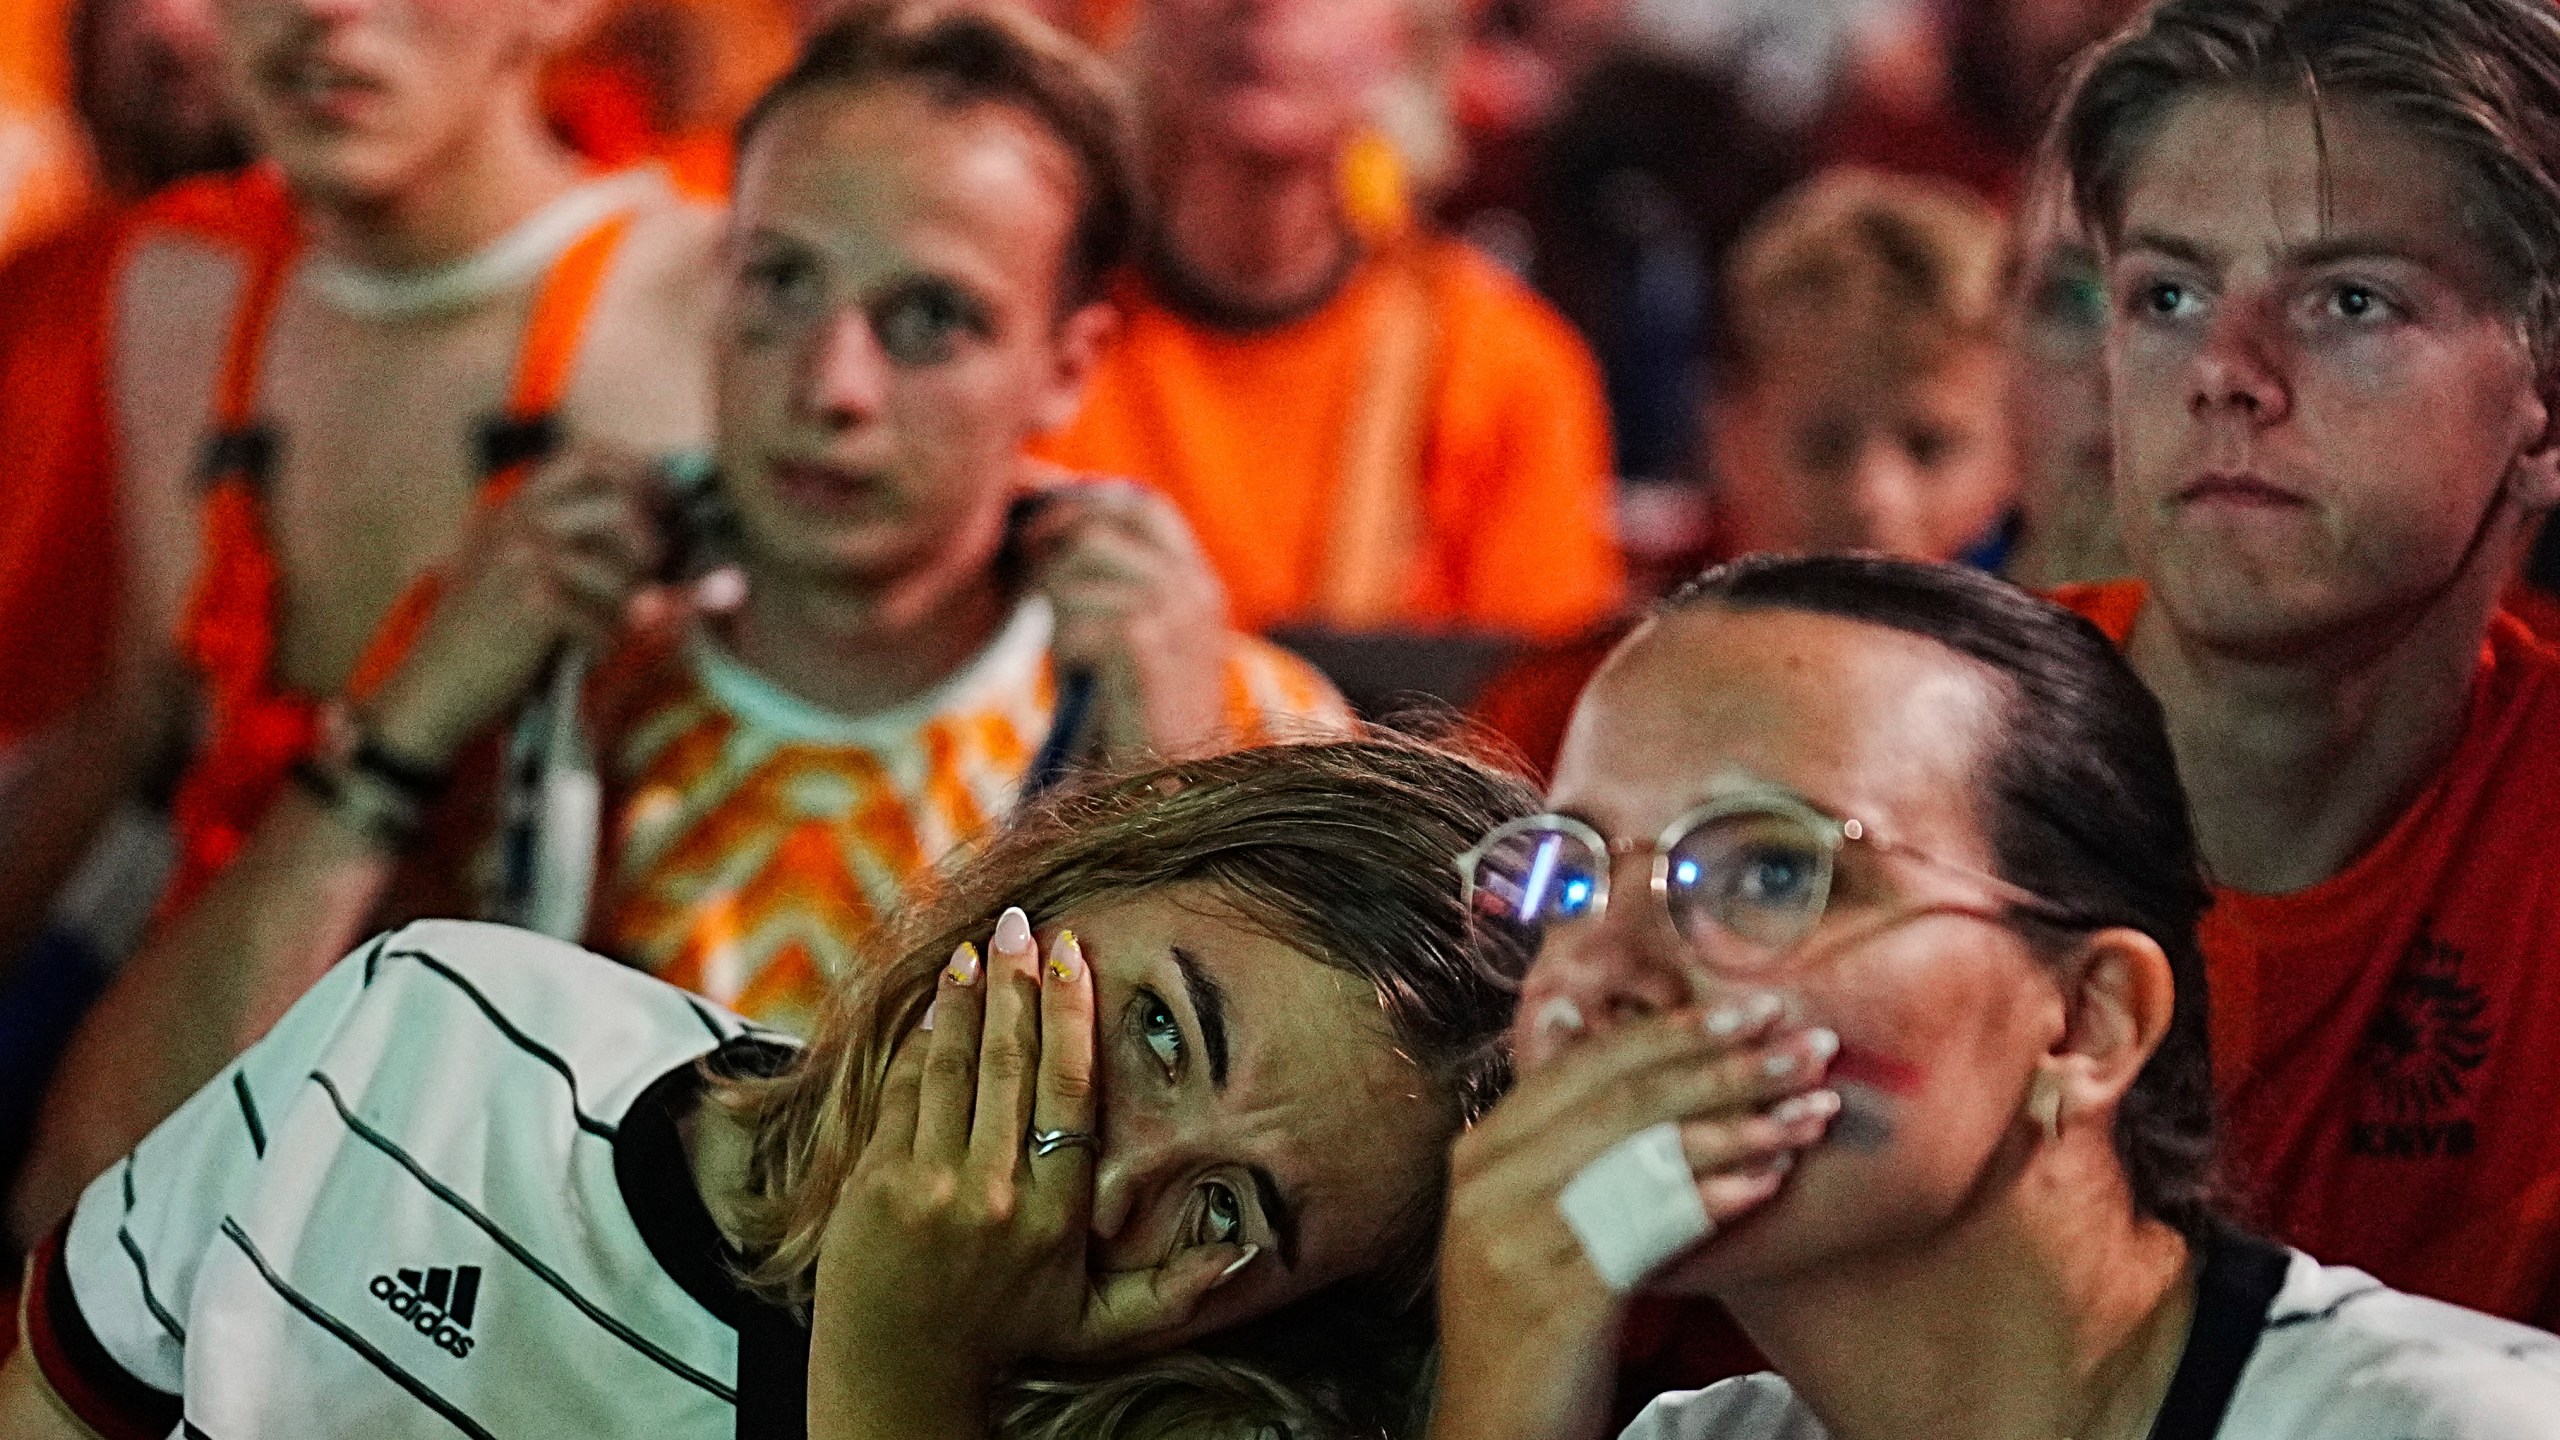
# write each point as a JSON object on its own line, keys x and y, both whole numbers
{"x": 1740, "y": 879}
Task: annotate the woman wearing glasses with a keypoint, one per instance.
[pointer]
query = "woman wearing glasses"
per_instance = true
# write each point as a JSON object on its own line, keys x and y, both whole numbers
{"x": 1867, "y": 1001}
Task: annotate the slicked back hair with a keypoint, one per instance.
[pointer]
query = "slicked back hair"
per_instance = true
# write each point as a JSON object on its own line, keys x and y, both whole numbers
{"x": 2079, "y": 799}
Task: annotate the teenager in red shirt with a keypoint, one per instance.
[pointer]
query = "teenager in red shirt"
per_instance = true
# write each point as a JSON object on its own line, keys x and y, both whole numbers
{"x": 2329, "y": 230}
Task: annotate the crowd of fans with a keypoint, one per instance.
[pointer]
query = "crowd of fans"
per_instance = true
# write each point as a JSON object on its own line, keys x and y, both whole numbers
{"x": 1015, "y": 569}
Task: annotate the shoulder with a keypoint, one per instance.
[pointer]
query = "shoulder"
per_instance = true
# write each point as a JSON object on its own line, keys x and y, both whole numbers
{"x": 2111, "y": 605}
{"x": 672, "y": 251}
{"x": 2345, "y": 1354}
{"x": 1274, "y": 694}
{"x": 604, "y": 1028}
{"x": 1480, "y": 300}
{"x": 1747, "y": 1407}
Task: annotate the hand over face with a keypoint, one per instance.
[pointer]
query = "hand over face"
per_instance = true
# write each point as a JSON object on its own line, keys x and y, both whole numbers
{"x": 1139, "y": 607}
{"x": 1527, "y": 1326}
{"x": 955, "y": 1250}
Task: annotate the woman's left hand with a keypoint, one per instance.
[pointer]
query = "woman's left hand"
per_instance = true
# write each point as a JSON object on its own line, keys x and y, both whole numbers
{"x": 954, "y": 1251}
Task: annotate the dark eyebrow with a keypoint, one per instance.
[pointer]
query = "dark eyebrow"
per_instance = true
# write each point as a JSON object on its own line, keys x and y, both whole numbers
{"x": 1275, "y": 1209}
{"x": 2331, "y": 250}
{"x": 1209, "y": 1006}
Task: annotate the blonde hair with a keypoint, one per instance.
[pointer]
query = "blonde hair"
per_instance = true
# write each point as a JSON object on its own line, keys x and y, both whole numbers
{"x": 1906, "y": 269}
{"x": 1341, "y": 849}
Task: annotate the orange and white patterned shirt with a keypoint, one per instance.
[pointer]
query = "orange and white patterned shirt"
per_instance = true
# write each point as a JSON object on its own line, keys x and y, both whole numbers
{"x": 757, "y": 841}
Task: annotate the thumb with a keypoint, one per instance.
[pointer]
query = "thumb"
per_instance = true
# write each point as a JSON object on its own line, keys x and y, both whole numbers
{"x": 1129, "y": 1306}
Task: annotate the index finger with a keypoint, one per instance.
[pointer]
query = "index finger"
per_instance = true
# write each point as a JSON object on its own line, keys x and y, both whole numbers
{"x": 1063, "y": 1098}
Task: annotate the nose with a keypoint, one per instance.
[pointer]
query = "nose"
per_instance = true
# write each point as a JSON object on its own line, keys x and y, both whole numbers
{"x": 1131, "y": 1156}
{"x": 2236, "y": 371}
{"x": 844, "y": 375}
{"x": 1619, "y": 968}
{"x": 1884, "y": 500}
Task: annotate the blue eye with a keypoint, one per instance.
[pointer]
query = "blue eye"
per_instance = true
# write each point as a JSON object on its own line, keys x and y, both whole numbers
{"x": 1221, "y": 1215}
{"x": 1158, "y": 1031}
{"x": 1775, "y": 878}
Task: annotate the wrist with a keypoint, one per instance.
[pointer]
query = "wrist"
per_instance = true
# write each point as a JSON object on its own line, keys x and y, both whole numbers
{"x": 411, "y": 747}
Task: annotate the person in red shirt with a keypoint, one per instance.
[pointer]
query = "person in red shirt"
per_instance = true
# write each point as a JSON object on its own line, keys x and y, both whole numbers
{"x": 2329, "y": 231}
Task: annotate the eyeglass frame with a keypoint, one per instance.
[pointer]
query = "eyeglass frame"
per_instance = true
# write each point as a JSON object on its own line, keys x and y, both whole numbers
{"x": 1832, "y": 833}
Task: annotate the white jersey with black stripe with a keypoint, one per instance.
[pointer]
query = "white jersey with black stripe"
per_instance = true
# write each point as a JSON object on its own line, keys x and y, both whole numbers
{"x": 402, "y": 1212}
{"x": 2282, "y": 1348}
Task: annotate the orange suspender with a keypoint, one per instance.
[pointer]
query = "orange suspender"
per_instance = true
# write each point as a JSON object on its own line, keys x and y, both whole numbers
{"x": 525, "y": 433}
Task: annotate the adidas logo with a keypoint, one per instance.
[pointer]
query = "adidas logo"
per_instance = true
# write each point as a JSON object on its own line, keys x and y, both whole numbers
{"x": 437, "y": 1304}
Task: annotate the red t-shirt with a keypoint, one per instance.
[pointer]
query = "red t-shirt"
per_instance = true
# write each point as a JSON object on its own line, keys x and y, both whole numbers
{"x": 2387, "y": 1043}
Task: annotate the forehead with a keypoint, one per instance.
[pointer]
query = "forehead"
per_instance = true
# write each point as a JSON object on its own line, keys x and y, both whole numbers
{"x": 2235, "y": 173}
{"x": 1886, "y": 726}
{"x": 888, "y": 163}
{"x": 1317, "y": 1089}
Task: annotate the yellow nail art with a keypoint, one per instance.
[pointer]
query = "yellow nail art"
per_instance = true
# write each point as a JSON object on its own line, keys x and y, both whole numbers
{"x": 1064, "y": 954}
{"x": 963, "y": 969}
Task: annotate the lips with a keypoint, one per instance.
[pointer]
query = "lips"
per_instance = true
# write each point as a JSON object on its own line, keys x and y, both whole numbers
{"x": 327, "y": 91}
{"x": 823, "y": 489}
{"x": 2240, "y": 491}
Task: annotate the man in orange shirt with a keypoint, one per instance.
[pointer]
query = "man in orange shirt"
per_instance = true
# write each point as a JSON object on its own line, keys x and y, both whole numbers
{"x": 295, "y": 386}
{"x": 1368, "y": 431}
{"x": 2335, "y": 348}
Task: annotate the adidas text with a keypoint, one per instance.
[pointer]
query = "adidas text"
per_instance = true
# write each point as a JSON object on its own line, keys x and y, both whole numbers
{"x": 437, "y": 1303}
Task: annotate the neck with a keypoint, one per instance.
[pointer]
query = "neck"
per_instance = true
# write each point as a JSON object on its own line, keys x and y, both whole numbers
{"x": 720, "y": 1149}
{"x": 856, "y": 647}
{"x": 2296, "y": 763}
{"x": 2027, "y": 1321}
{"x": 488, "y": 184}
{"x": 1253, "y": 232}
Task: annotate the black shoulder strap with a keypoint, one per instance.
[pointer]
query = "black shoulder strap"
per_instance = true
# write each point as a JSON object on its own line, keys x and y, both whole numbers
{"x": 2234, "y": 1292}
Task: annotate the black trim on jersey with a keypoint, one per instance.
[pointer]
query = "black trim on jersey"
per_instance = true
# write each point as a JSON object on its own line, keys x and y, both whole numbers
{"x": 192, "y": 1430}
{"x": 58, "y": 1332}
{"x": 656, "y": 1177}
{"x": 515, "y": 1248}
{"x": 249, "y": 1112}
{"x": 142, "y": 1267}
{"x": 417, "y": 1388}
{"x": 524, "y": 1042}
{"x": 373, "y": 956}
{"x": 703, "y": 1013}
{"x": 2234, "y": 1291}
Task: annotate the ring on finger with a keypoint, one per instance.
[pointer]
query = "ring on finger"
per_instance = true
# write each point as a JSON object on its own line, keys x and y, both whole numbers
{"x": 1050, "y": 1142}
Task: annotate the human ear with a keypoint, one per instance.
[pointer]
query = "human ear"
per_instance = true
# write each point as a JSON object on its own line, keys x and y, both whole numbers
{"x": 2119, "y": 1014}
{"x": 2534, "y": 480}
{"x": 1074, "y": 352}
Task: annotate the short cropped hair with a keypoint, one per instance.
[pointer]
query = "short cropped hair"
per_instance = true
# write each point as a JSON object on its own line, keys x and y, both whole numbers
{"x": 981, "y": 52}
{"x": 2479, "y": 78}
{"x": 1911, "y": 269}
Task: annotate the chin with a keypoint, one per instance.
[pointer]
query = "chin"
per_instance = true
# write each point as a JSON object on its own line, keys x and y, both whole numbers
{"x": 344, "y": 169}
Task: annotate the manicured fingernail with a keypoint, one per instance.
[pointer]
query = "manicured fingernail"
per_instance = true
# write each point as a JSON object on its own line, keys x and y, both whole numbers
{"x": 963, "y": 969}
{"x": 927, "y": 1022}
{"x": 1558, "y": 1014}
{"x": 1821, "y": 1045}
{"x": 1780, "y": 1064}
{"x": 1236, "y": 1265}
{"x": 1763, "y": 1008}
{"x": 1726, "y": 1020}
{"x": 1816, "y": 1105}
{"x": 1013, "y": 932}
{"x": 1066, "y": 957}
{"x": 1778, "y": 1164}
